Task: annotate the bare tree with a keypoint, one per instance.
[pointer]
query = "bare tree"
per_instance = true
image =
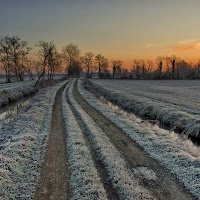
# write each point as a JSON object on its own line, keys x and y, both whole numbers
{"x": 198, "y": 69}
{"x": 87, "y": 60}
{"x": 102, "y": 65}
{"x": 19, "y": 50}
{"x": 74, "y": 69}
{"x": 71, "y": 54}
{"x": 159, "y": 60}
{"x": 5, "y": 57}
{"x": 124, "y": 73}
{"x": 144, "y": 70}
{"x": 167, "y": 61}
{"x": 137, "y": 68}
{"x": 198, "y": 66}
{"x": 37, "y": 65}
{"x": 173, "y": 62}
{"x": 98, "y": 59}
{"x": 55, "y": 61}
{"x": 13, "y": 51}
{"x": 182, "y": 69}
{"x": 29, "y": 68}
{"x": 116, "y": 66}
{"x": 46, "y": 51}
{"x": 149, "y": 69}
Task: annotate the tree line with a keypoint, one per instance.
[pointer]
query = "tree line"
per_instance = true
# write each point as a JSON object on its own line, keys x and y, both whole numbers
{"x": 15, "y": 62}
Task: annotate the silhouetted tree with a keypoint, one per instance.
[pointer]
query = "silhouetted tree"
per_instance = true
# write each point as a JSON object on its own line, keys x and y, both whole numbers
{"x": 137, "y": 68}
{"x": 173, "y": 61}
{"x": 102, "y": 64}
{"x": 167, "y": 61}
{"x": 124, "y": 73}
{"x": 98, "y": 59}
{"x": 71, "y": 54}
{"x": 87, "y": 60}
{"x": 5, "y": 56}
{"x": 74, "y": 69}
{"x": 29, "y": 68}
{"x": 13, "y": 51}
{"x": 46, "y": 51}
{"x": 54, "y": 63}
{"x": 116, "y": 67}
{"x": 160, "y": 65}
{"x": 19, "y": 50}
{"x": 149, "y": 69}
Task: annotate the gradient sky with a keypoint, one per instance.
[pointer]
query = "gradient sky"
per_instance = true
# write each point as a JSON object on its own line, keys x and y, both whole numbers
{"x": 125, "y": 29}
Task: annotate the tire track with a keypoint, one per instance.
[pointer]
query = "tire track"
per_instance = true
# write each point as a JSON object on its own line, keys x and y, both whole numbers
{"x": 122, "y": 179}
{"x": 54, "y": 180}
{"x": 102, "y": 173}
{"x": 164, "y": 187}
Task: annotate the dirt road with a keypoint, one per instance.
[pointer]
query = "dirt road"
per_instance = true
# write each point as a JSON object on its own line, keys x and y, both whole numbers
{"x": 164, "y": 187}
{"x": 54, "y": 181}
{"x": 55, "y": 178}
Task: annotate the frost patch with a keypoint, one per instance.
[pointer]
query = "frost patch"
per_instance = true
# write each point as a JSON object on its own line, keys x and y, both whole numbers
{"x": 178, "y": 154}
{"x": 145, "y": 172}
{"x": 22, "y": 146}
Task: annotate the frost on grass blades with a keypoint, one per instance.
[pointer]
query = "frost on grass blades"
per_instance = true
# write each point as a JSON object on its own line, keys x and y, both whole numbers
{"x": 178, "y": 154}
{"x": 122, "y": 179}
{"x": 84, "y": 181}
{"x": 15, "y": 91}
{"x": 22, "y": 143}
{"x": 175, "y": 103}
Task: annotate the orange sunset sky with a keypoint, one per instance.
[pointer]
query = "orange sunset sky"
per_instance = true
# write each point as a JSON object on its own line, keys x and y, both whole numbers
{"x": 125, "y": 30}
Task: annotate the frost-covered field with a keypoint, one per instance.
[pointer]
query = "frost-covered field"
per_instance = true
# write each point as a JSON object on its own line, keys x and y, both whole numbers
{"x": 175, "y": 102}
{"x": 22, "y": 146}
{"x": 13, "y": 91}
{"x": 6, "y": 86}
{"x": 27, "y": 78}
{"x": 98, "y": 169}
{"x": 175, "y": 152}
{"x": 84, "y": 179}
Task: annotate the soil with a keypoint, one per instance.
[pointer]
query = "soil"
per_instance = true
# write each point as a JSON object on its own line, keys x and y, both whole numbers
{"x": 165, "y": 186}
{"x": 55, "y": 176}
{"x": 101, "y": 170}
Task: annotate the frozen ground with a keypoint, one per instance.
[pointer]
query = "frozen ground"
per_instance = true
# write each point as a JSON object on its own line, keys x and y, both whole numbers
{"x": 15, "y": 91}
{"x": 173, "y": 151}
{"x": 22, "y": 145}
{"x": 108, "y": 152}
{"x": 175, "y": 102}
{"x": 26, "y": 78}
{"x": 10, "y": 92}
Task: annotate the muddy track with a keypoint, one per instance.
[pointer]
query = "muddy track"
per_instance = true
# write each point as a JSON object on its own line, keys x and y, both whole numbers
{"x": 55, "y": 176}
{"x": 164, "y": 187}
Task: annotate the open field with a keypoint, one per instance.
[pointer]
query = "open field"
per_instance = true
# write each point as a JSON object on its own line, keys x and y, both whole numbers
{"x": 69, "y": 144}
{"x": 173, "y": 103}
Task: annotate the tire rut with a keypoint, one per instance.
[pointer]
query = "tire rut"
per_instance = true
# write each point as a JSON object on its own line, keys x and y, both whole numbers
{"x": 55, "y": 176}
{"x": 164, "y": 187}
{"x": 102, "y": 173}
